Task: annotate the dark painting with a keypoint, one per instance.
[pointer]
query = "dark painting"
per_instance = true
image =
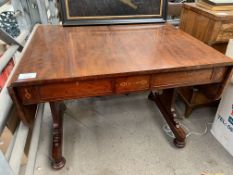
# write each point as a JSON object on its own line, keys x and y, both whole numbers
{"x": 112, "y": 10}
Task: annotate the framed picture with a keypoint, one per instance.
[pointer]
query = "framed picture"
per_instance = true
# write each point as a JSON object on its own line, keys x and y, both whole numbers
{"x": 94, "y": 12}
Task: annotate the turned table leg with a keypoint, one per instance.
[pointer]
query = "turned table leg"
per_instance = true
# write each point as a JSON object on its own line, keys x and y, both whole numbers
{"x": 57, "y": 109}
{"x": 165, "y": 102}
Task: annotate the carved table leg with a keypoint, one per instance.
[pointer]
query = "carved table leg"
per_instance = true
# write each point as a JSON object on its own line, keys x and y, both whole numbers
{"x": 57, "y": 109}
{"x": 165, "y": 103}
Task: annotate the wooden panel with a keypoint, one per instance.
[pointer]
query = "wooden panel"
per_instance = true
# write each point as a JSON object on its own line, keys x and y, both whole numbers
{"x": 75, "y": 89}
{"x": 183, "y": 17}
{"x": 212, "y": 14}
{"x": 219, "y": 74}
{"x": 202, "y": 22}
{"x": 192, "y": 96}
{"x": 207, "y": 26}
{"x": 130, "y": 84}
{"x": 212, "y": 32}
{"x": 189, "y": 22}
{"x": 28, "y": 94}
{"x": 182, "y": 78}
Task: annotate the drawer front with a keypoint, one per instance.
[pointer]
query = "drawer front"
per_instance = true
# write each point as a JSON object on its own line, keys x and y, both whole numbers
{"x": 130, "y": 84}
{"x": 225, "y": 33}
{"x": 75, "y": 89}
{"x": 183, "y": 78}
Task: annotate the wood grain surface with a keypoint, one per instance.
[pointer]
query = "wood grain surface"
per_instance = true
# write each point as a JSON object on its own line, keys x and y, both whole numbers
{"x": 57, "y": 53}
{"x": 223, "y": 15}
{"x": 211, "y": 27}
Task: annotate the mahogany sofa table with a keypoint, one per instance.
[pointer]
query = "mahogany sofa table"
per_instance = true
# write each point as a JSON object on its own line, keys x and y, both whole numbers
{"x": 62, "y": 63}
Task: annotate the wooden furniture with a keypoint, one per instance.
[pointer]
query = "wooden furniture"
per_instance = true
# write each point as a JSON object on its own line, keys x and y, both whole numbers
{"x": 214, "y": 28}
{"x": 193, "y": 98}
{"x": 89, "y": 12}
{"x": 78, "y": 62}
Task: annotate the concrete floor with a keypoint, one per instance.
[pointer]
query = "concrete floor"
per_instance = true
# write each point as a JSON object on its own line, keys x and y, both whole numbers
{"x": 122, "y": 135}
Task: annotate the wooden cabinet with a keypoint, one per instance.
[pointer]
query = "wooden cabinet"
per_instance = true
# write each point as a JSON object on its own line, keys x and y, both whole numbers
{"x": 215, "y": 28}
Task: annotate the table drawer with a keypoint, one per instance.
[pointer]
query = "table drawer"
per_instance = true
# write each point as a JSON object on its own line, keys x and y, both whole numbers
{"x": 130, "y": 84}
{"x": 75, "y": 89}
{"x": 183, "y": 78}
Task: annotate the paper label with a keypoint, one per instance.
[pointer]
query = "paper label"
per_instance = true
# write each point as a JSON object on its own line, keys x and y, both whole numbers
{"x": 26, "y": 76}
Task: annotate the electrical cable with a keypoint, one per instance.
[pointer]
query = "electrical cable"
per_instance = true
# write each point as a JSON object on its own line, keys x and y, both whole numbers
{"x": 169, "y": 132}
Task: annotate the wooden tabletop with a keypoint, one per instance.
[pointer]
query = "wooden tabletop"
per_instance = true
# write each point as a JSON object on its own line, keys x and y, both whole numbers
{"x": 58, "y": 53}
{"x": 223, "y": 15}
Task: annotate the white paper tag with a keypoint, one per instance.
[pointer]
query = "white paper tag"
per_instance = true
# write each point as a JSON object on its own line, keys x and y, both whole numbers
{"x": 26, "y": 76}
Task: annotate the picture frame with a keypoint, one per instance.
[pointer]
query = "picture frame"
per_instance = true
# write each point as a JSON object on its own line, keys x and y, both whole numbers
{"x": 101, "y": 12}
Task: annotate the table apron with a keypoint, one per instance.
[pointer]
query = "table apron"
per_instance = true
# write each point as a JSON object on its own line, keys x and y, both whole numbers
{"x": 118, "y": 85}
